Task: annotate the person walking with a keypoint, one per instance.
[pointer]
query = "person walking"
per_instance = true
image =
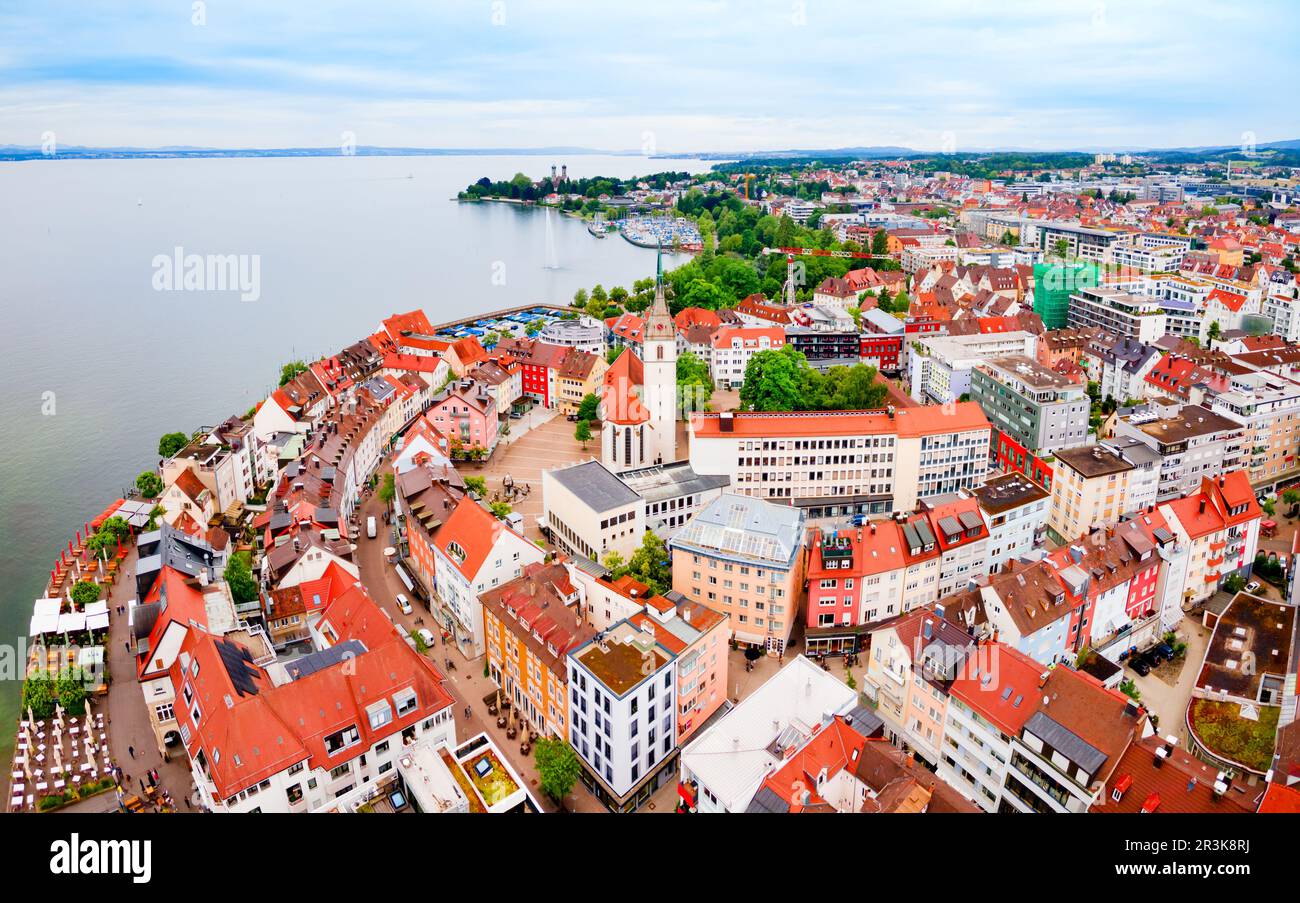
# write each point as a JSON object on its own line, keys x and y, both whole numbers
{"x": 131, "y": 750}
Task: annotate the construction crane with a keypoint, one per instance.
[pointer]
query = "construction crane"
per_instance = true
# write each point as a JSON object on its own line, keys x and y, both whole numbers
{"x": 792, "y": 253}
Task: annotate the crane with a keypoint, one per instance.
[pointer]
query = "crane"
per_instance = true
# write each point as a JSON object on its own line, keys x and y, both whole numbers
{"x": 792, "y": 253}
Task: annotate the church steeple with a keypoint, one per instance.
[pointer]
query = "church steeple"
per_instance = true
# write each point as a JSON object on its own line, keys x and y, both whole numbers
{"x": 659, "y": 322}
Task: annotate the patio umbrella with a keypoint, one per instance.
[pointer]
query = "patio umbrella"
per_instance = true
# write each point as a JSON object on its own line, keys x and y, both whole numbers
{"x": 58, "y": 757}
{"x": 90, "y": 756}
{"x": 88, "y": 724}
{"x": 31, "y": 719}
{"x": 88, "y": 708}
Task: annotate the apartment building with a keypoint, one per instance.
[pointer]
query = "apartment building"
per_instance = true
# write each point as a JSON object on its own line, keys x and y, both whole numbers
{"x": 1081, "y": 242}
{"x": 1039, "y": 408}
{"x": 304, "y": 735}
{"x": 1020, "y": 738}
{"x": 1119, "y": 366}
{"x": 697, "y": 635}
{"x": 939, "y": 367}
{"x": 1220, "y": 526}
{"x": 1096, "y": 484}
{"x": 530, "y": 624}
{"x": 474, "y": 552}
{"x": 1192, "y": 442}
{"x": 1269, "y": 407}
{"x": 1015, "y": 509}
{"x": 623, "y": 714}
{"x": 732, "y": 348}
{"x": 724, "y": 767}
{"x": 743, "y": 557}
{"x": 914, "y": 660}
{"x": 835, "y": 463}
{"x": 673, "y": 493}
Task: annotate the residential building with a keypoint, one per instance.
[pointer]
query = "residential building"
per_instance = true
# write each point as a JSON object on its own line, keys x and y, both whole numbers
{"x": 1015, "y": 509}
{"x": 1220, "y": 524}
{"x": 623, "y": 714}
{"x": 698, "y": 636}
{"x": 743, "y": 557}
{"x": 1040, "y": 409}
{"x": 1096, "y": 484}
{"x": 940, "y": 366}
{"x": 1192, "y": 442}
{"x": 530, "y": 625}
{"x": 1269, "y": 407}
{"x": 724, "y": 767}
{"x": 474, "y": 552}
{"x": 732, "y": 349}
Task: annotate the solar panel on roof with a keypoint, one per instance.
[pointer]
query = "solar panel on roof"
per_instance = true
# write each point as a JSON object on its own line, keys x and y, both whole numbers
{"x": 238, "y": 662}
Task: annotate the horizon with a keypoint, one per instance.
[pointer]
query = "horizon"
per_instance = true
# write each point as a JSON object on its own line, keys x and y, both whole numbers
{"x": 704, "y": 77}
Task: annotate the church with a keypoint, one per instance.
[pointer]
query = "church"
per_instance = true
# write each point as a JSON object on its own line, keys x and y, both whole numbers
{"x": 639, "y": 401}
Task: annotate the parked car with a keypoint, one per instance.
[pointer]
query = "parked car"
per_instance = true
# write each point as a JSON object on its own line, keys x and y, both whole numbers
{"x": 427, "y": 636}
{"x": 1139, "y": 664}
{"x": 1252, "y": 586}
{"x": 1165, "y": 651}
{"x": 516, "y": 415}
{"x": 571, "y": 417}
{"x": 371, "y": 529}
{"x": 403, "y": 604}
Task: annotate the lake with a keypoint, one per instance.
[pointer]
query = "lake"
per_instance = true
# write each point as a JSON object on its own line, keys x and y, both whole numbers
{"x": 98, "y": 364}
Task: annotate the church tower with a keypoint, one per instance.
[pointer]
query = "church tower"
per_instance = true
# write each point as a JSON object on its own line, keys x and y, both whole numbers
{"x": 659, "y": 394}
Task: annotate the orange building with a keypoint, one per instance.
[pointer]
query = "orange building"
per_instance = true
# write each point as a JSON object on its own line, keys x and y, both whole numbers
{"x": 529, "y": 626}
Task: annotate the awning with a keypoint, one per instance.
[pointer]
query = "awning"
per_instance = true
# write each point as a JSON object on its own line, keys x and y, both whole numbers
{"x": 71, "y": 621}
{"x": 97, "y": 615}
{"x": 45, "y": 617}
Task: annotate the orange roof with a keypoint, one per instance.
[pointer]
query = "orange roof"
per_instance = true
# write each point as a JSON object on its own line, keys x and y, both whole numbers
{"x": 1001, "y": 684}
{"x": 926, "y": 420}
{"x": 1281, "y": 798}
{"x": 474, "y": 530}
{"x": 833, "y": 749}
{"x": 621, "y": 401}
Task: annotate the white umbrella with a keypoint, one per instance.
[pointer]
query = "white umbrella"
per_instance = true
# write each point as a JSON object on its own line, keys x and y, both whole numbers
{"x": 31, "y": 719}
{"x": 90, "y": 756}
{"x": 58, "y": 758}
{"x": 87, "y": 708}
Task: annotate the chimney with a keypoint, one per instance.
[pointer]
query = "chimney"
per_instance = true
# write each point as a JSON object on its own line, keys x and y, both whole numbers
{"x": 1202, "y": 506}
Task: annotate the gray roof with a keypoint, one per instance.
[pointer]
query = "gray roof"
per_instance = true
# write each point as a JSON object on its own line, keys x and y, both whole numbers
{"x": 864, "y": 721}
{"x": 669, "y": 481}
{"x": 745, "y": 528}
{"x": 595, "y": 486}
{"x": 318, "y": 661}
{"x": 766, "y": 800}
{"x": 1066, "y": 742}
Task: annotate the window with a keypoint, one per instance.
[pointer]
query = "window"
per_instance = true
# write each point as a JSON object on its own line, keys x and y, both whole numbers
{"x": 405, "y": 701}
{"x": 340, "y": 740}
{"x": 379, "y": 714}
{"x": 294, "y": 793}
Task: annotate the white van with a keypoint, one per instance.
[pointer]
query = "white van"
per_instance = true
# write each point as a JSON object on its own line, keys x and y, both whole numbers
{"x": 371, "y": 529}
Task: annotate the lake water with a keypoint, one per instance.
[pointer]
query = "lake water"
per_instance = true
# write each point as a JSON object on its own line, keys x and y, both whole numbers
{"x": 341, "y": 242}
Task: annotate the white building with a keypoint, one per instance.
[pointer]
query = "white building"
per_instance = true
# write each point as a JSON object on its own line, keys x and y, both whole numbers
{"x": 590, "y": 512}
{"x": 623, "y": 714}
{"x": 939, "y": 367}
{"x": 1015, "y": 509}
{"x": 729, "y": 760}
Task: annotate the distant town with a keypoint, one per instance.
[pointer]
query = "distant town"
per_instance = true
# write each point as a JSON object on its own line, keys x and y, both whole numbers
{"x": 930, "y": 483}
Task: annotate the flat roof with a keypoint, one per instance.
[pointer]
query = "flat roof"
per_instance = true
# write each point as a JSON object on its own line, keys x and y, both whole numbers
{"x": 595, "y": 486}
{"x": 1010, "y": 490}
{"x": 1251, "y": 639}
{"x": 1093, "y": 460}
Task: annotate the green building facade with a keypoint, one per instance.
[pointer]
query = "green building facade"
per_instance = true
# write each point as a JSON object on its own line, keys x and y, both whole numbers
{"x": 1053, "y": 284}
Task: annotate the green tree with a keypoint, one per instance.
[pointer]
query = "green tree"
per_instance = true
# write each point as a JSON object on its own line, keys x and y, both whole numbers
{"x": 84, "y": 592}
{"x": 71, "y": 690}
{"x": 239, "y": 577}
{"x": 290, "y": 370}
{"x": 557, "y": 767}
{"x": 582, "y": 433}
{"x": 649, "y": 564}
{"x": 476, "y": 485}
{"x": 773, "y": 380}
{"x": 880, "y": 243}
{"x": 580, "y": 298}
{"x": 589, "y": 407}
{"x": 149, "y": 484}
{"x": 535, "y": 327}
{"x": 1234, "y": 583}
{"x": 387, "y": 489}
{"x": 171, "y": 443}
{"x": 613, "y": 562}
{"x": 499, "y": 510}
{"x": 1214, "y": 331}
{"x": 1061, "y": 248}
{"x": 38, "y": 694}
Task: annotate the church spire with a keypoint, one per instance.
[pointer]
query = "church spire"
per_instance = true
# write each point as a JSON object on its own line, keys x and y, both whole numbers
{"x": 659, "y": 309}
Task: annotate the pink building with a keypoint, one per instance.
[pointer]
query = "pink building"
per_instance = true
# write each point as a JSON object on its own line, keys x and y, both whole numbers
{"x": 698, "y": 636}
{"x": 466, "y": 411}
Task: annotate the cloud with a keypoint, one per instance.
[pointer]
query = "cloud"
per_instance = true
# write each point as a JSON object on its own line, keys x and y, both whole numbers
{"x": 766, "y": 74}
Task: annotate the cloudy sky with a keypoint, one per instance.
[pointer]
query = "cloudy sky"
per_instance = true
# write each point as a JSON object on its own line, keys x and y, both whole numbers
{"x": 658, "y": 76}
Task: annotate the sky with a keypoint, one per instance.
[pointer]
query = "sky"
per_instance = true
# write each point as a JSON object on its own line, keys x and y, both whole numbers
{"x": 654, "y": 77}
